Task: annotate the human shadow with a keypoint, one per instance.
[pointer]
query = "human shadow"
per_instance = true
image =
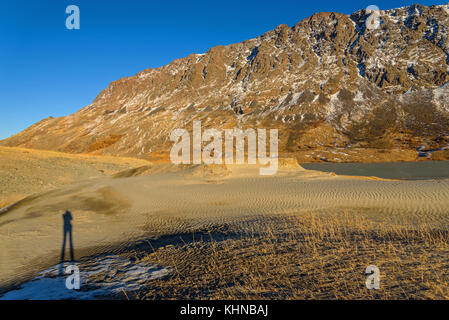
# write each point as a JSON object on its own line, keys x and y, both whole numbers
{"x": 67, "y": 232}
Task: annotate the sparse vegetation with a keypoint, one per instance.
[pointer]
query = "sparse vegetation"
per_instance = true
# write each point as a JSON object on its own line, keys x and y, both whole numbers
{"x": 305, "y": 257}
{"x": 104, "y": 142}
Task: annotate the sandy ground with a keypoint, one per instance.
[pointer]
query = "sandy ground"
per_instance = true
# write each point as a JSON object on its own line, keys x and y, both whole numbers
{"x": 24, "y": 171}
{"x": 163, "y": 199}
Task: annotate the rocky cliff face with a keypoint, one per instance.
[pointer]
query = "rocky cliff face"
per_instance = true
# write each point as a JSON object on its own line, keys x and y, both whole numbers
{"x": 330, "y": 85}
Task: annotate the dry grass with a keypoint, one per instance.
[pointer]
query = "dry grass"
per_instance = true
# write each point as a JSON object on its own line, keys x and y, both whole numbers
{"x": 304, "y": 257}
{"x": 104, "y": 142}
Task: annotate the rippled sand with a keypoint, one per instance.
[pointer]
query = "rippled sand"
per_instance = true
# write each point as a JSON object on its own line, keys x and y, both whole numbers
{"x": 110, "y": 212}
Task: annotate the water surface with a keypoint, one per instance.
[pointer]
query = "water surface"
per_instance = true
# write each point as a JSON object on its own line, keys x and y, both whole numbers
{"x": 426, "y": 170}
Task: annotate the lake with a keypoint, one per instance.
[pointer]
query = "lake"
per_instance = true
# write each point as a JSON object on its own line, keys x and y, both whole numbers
{"x": 425, "y": 170}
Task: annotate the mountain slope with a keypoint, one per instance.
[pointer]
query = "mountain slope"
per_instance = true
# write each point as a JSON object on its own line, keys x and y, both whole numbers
{"x": 326, "y": 83}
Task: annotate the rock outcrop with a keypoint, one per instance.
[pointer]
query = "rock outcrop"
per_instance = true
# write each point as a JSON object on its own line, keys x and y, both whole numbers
{"x": 327, "y": 83}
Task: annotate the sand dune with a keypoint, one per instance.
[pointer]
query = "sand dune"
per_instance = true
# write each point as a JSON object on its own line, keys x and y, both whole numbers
{"x": 25, "y": 171}
{"x": 161, "y": 199}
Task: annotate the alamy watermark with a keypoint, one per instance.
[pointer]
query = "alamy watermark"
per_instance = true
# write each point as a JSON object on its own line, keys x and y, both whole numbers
{"x": 373, "y": 22}
{"x": 73, "y": 20}
{"x": 212, "y": 153}
{"x": 73, "y": 281}
{"x": 373, "y": 279}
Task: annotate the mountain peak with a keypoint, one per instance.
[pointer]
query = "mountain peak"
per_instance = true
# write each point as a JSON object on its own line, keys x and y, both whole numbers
{"x": 328, "y": 81}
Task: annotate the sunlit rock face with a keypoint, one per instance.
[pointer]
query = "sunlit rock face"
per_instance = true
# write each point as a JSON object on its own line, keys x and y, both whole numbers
{"x": 327, "y": 82}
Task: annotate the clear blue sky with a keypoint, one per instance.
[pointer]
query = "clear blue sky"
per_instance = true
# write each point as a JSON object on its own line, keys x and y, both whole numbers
{"x": 47, "y": 70}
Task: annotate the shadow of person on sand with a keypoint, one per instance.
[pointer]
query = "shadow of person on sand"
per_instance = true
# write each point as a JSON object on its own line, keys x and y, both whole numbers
{"x": 67, "y": 232}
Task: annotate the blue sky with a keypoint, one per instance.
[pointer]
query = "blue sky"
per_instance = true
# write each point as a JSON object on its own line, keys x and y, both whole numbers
{"x": 47, "y": 70}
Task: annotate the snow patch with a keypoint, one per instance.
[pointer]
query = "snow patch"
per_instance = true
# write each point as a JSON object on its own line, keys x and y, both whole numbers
{"x": 103, "y": 276}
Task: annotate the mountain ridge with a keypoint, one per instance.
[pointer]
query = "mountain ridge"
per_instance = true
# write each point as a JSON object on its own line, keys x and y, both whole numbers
{"x": 330, "y": 85}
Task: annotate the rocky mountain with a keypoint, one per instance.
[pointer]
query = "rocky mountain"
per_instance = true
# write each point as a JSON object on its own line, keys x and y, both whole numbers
{"x": 335, "y": 89}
